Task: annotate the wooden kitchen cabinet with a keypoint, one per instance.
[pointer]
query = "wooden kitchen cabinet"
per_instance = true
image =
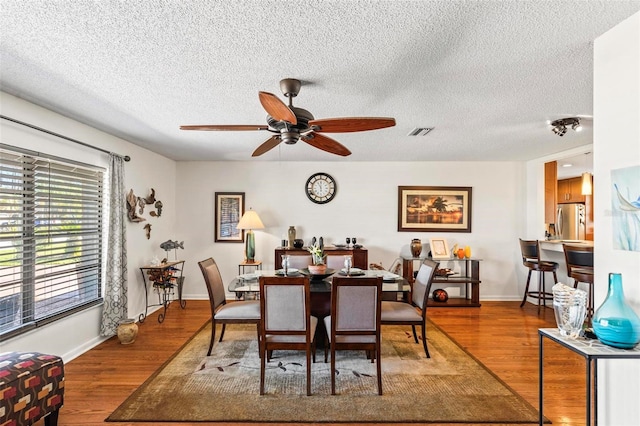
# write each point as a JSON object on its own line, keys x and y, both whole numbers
{"x": 550, "y": 191}
{"x": 570, "y": 191}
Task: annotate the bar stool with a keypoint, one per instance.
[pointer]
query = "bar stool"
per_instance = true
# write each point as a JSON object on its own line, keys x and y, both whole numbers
{"x": 579, "y": 259}
{"x": 531, "y": 259}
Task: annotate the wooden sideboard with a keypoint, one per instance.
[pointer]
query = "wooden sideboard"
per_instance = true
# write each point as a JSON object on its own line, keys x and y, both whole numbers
{"x": 360, "y": 256}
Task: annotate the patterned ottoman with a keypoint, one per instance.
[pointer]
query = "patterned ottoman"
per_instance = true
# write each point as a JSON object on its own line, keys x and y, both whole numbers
{"x": 31, "y": 387}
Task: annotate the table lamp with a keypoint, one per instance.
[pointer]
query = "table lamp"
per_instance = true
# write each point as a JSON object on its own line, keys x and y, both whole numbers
{"x": 250, "y": 221}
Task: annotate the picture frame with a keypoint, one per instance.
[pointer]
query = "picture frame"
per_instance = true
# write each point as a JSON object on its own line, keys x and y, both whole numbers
{"x": 229, "y": 208}
{"x": 439, "y": 248}
{"x": 434, "y": 208}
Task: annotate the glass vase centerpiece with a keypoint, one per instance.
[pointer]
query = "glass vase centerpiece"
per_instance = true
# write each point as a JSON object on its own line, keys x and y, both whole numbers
{"x": 570, "y": 308}
{"x": 317, "y": 257}
{"x": 615, "y": 323}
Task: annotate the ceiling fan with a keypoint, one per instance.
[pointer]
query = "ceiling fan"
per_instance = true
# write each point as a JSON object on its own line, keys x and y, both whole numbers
{"x": 290, "y": 124}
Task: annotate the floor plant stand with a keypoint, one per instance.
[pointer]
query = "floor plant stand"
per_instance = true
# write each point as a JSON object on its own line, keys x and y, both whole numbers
{"x": 164, "y": 279}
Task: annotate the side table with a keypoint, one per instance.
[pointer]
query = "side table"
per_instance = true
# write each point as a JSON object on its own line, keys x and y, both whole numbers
{"x": 591, "y": 350}
{"x": 256, "y": 264}
{"x": 163, "y": 278}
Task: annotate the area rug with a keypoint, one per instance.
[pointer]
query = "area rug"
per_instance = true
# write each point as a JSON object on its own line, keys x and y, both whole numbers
{"x": 450, "y": 387}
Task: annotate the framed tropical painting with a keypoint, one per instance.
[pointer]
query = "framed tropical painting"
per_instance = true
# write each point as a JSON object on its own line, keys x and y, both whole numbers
{"x": 434, "y": 209}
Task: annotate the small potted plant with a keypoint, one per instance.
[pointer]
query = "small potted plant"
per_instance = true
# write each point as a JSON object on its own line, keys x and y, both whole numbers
{"x": 317, "y": 256}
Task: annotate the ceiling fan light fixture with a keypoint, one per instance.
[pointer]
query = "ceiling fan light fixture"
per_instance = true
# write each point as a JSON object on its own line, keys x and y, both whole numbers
{"x": 559, "y": 127}
{"x": 289, "y": 138}
{"x": 290, "y": 124}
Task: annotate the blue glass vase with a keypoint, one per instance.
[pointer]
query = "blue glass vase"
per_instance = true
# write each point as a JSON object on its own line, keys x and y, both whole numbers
{"x": 615, "y": 323}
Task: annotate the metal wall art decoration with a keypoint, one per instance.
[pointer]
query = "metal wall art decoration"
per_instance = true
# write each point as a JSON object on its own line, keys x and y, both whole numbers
{"x": 434, "y": 209}
{"x": 136, "y": 205}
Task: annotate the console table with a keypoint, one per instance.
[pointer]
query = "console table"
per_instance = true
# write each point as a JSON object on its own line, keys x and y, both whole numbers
{"x": 591, "y": 350}
{"x": 469, "y": 276}
{"x": 164, "y": 278}
{"x": 360, "y": 256}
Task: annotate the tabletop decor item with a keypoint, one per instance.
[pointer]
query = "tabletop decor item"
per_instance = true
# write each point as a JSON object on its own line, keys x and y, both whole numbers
{"x": 570, "y": 308}
{"x": 615, "y": 323}
{"x": 416, "y": 247}
{"x": 291, "y": 233}
{"x": 467, "y": 252}
{"x": 317, "y": 256}
{"x": 440, "y": 295}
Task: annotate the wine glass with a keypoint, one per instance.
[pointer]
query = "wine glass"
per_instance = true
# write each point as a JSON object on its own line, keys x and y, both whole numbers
{"x": 354, "y": 240}
{"x": 348, "y": 240}
{"x": 285, "y": 263}
{"x": 348, "y": 262}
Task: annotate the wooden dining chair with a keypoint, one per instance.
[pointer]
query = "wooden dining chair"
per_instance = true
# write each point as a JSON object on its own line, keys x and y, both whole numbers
{"x": 237, "y": 312}
{"x": 335, "y": 261}
{"x": 414, "y": 312}
{"x": 354, "y": 323}
{"x": 579, "y": 261}
{"x": 285, "y": 306}
{"x": 300, "y": 261}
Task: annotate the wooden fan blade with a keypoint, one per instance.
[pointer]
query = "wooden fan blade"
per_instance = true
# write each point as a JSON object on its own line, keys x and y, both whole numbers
{"x": 351, "y": 124}
{"x": 276, "y": 108}
{"x": 268, "y": 145}
{"x": 233, "y": 127}
{"x": 326, "y": 144}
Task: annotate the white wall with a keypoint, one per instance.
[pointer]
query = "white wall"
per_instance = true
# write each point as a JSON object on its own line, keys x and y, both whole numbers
{"x": 616, "y": 145}
{"x": 79, "y": 332}
{"x": 365, "y": 206}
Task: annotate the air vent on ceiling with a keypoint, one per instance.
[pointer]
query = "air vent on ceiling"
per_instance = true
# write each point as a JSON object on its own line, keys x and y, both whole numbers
{"x": 420, "y": 131}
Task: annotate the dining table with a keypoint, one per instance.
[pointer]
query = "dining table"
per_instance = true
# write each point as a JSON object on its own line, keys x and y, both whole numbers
{"x": 394, "y": 286}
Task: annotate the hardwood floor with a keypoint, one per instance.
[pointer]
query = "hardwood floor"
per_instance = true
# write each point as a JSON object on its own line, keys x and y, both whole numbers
{"x": 499, "y": 334}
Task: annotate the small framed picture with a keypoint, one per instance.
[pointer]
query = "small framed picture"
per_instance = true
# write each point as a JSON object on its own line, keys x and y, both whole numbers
{"x": 229, "y": 210}
{"x": 439, "y": 248}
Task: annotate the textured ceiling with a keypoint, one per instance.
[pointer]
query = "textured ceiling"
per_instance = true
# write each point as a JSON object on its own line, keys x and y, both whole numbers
{"x": 486, "y": 74}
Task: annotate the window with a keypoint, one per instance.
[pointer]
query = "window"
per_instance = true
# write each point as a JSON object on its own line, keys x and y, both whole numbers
{"x": 50, "y": 240}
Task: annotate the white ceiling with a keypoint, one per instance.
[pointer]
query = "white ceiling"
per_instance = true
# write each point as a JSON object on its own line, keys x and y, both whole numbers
{"x": 486, "y": 74}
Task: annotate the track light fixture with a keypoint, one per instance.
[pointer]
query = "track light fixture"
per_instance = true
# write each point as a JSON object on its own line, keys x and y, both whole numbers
{"x": 559, "y": 127}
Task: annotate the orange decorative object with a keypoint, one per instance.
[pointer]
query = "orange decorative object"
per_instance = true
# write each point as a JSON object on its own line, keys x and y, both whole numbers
{"x": 467, "y": 252}
{"x": 461, "y": 253}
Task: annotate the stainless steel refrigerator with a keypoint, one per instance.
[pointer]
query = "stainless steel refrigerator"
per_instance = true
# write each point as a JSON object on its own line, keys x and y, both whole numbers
{"x": 571, "y": 222}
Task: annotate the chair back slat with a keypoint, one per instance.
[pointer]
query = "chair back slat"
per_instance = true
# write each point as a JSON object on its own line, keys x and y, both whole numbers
{"x": 423, "y": 282}
{"x": 300, "y": 261}
{"x": 285, "y": 307}
{"x": 356, "y": 308}
{"x": 285, "y": 304}
{"x": 530, "y": 250}
{"x": 578, "y": 257}
{"x": 213, "y": 280}
{"x": 335, "y": 261}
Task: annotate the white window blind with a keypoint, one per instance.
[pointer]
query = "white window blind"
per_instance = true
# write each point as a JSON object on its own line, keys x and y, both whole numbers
{"x": 50, "y": 240}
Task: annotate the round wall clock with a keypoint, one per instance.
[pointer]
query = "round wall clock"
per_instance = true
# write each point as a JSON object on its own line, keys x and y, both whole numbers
{"x": 320, "y": 188}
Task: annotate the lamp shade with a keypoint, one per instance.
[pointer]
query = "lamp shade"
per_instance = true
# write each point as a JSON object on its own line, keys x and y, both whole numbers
{"x": 250, "y": 220}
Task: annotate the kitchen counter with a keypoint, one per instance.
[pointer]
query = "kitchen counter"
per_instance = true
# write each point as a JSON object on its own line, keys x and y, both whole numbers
{"x": 552, "y": 250}
{"x": 556, "y": 245}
